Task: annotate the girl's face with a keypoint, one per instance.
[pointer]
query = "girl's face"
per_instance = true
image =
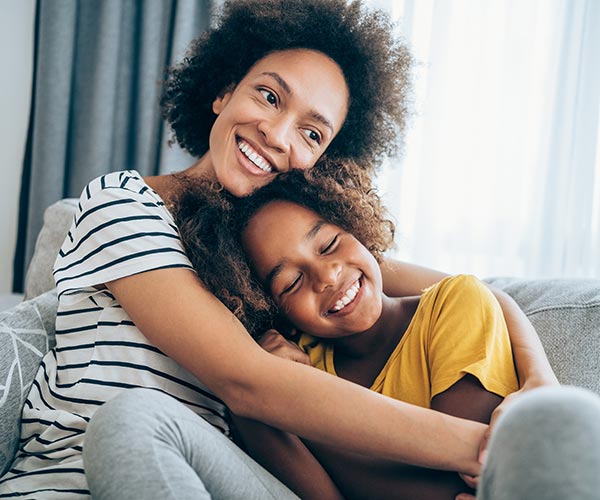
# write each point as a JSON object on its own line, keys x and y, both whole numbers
{"x": 322, "y": 278}
{"x": 282, "y": 115}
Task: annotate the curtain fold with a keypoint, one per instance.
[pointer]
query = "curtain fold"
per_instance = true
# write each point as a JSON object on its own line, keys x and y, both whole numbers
{"x": 99, "y": 65}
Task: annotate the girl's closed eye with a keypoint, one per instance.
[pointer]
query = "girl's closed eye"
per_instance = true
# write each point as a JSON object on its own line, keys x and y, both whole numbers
{"x": 269, "y": 96}
{"x": 331, "y": 245}
{"x": 293, "y": 285}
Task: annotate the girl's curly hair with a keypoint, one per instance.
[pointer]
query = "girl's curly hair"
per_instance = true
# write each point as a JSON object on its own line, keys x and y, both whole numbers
{"x": 211, "y": 222}
{"x": 374, "y": 62}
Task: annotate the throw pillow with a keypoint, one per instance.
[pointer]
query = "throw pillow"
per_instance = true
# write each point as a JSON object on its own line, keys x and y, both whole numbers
{"x": 26, "y": 334}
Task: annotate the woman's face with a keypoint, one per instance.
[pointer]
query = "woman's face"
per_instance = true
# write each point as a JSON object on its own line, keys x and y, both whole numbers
{"x": 282, "y": 115}
{"x": 321, "y": 277}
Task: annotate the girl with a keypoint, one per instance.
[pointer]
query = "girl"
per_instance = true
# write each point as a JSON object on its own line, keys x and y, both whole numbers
{"x": 447, "y": 349}
{"x": 306, "y": 243}
{"x": 270, "y": 88}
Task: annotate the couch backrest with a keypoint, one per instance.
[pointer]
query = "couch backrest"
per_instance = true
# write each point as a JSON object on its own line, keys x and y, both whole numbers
{"x": 566, "y": 316}
{"x": 58, "y": 218}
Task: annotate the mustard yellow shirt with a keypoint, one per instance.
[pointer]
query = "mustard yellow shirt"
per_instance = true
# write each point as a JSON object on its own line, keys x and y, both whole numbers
{"x": 458, "y": 329}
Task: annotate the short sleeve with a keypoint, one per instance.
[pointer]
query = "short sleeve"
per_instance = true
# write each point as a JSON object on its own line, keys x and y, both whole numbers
{"x": 118, "y": 232}
{"x": 468, "y": 335}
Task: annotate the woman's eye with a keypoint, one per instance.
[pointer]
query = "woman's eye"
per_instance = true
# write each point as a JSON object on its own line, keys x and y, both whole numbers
{"x": 269, "y": 96}
{"x": 330, "y": 245}
{"x": 313, "y": 136}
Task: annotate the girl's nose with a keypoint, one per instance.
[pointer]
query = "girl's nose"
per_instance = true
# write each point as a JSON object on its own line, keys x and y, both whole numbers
{"x": 326, "y": 274}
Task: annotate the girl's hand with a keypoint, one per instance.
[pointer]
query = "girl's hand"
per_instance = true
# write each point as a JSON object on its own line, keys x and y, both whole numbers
{"x": 273, "y": 342}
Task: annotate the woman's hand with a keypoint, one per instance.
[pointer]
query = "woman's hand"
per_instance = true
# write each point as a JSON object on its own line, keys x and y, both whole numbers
{"x": 473, "y": 481}
{"x": 501, "y": 408}
{"x": 273, "y": 342}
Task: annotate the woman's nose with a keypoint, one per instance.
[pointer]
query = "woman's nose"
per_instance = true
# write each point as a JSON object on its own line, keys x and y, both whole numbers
{"x": 276, "y": 133}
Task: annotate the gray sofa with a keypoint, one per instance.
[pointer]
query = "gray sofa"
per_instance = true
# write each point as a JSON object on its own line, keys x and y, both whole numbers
{"x": 565, "y": 313}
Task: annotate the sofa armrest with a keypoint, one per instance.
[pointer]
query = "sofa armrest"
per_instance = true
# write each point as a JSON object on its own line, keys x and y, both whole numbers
{"x": 58, "y": 218}
{"x": 566, "y": 316}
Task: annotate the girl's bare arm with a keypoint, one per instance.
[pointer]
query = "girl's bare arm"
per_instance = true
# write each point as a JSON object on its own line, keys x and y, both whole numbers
{"x": 286, "y": 457}
{"x": 183, "y": 319}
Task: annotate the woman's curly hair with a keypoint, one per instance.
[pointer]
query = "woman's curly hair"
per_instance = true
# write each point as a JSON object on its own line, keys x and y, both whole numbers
{"x": 374, "y": 62}
{"x": 211, "y": 222}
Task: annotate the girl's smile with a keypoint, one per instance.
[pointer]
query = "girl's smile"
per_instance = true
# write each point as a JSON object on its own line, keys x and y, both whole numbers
{"x": 322, "y": 278}
{"x": 348, "y": 300}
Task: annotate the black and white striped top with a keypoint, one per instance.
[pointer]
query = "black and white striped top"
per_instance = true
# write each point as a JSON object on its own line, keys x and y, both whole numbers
{"x": 121, "y": 228}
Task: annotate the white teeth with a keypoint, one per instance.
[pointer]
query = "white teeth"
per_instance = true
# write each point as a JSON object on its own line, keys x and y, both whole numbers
{"x": 348, "y": 297}
{"x": 254, "y": 157}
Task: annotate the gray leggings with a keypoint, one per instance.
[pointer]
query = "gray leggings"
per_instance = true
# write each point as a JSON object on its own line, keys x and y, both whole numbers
{"x": 143, "y": 444}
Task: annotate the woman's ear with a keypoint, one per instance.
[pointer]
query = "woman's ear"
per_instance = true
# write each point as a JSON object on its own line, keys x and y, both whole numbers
{"x": 222, "y": 99}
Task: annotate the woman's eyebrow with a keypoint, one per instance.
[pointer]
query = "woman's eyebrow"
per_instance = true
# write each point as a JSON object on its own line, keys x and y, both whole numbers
{"x": 286, "y": 88}
{"x": 282, "y": 83}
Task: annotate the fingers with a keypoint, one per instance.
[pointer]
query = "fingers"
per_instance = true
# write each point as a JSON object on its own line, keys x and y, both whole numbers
{"x": 471, "y": 481}
{"x": 464, "y": 496}
{"x": 483, "y": 445}
{"x": 273, "y": 342}
{"x": 496, "y": 414}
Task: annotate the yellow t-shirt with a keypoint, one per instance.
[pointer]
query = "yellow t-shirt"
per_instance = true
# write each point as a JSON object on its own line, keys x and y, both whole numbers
{"x": 458, "y": 329}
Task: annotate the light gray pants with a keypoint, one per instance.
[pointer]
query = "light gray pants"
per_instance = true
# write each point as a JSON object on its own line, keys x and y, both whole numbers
{"x": 143, "y": 444}
{"x": 546, "y": 447}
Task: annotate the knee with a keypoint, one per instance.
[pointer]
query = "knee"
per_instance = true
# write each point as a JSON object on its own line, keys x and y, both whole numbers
{"x": 571, "y": 410}
{"x": 546, "y": 445}
{"x": 128, "y": 418}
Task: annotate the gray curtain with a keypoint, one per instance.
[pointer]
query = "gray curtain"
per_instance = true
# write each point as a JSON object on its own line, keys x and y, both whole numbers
{"x": 98, "y": 70}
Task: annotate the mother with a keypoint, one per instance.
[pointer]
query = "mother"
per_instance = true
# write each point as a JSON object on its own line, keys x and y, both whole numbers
{"x": 271, "y": 88}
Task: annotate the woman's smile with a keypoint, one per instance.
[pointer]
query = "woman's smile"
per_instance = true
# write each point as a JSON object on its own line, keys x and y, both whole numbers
{"x": 255, "y": 161}
{"x": 277, "y": 118}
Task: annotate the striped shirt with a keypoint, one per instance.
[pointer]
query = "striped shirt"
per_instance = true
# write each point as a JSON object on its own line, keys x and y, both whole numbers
{"x": 121, "y": 228}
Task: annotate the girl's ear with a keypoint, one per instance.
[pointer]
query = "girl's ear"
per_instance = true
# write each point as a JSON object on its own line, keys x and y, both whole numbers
{"x": 283, "y": 326}
{"x": 222, "y": 99}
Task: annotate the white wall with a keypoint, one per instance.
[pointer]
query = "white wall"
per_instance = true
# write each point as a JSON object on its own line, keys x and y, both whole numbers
{"x": 16, "y": 61}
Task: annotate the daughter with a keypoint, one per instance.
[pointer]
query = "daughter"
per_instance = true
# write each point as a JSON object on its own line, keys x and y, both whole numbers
{"x": 316, "y": 248}
{"x": 312, "y": 246}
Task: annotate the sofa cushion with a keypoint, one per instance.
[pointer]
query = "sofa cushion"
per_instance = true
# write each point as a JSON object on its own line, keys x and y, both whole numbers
{"x": 26, "y": 334}
{"x": 566, "y": 316}
{"x": 58, "y": 218}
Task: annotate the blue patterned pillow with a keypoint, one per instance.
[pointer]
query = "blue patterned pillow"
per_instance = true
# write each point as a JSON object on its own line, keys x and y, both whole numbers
{"x": 26, "y": 334}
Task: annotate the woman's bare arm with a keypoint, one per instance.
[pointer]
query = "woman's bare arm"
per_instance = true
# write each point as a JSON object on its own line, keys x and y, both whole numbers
{"x": 183, "y": 319}
{"x": 403, "y": 279}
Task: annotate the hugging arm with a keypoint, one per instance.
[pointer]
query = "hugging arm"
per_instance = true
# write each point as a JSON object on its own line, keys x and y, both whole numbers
{"x": 182, "y": 318}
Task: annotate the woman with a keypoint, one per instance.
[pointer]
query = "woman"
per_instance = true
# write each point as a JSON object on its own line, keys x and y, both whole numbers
{"x": 270, "y": 88}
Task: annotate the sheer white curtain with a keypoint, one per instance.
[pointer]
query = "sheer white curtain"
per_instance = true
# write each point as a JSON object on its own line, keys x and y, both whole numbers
{"x": 501, "y": 170}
